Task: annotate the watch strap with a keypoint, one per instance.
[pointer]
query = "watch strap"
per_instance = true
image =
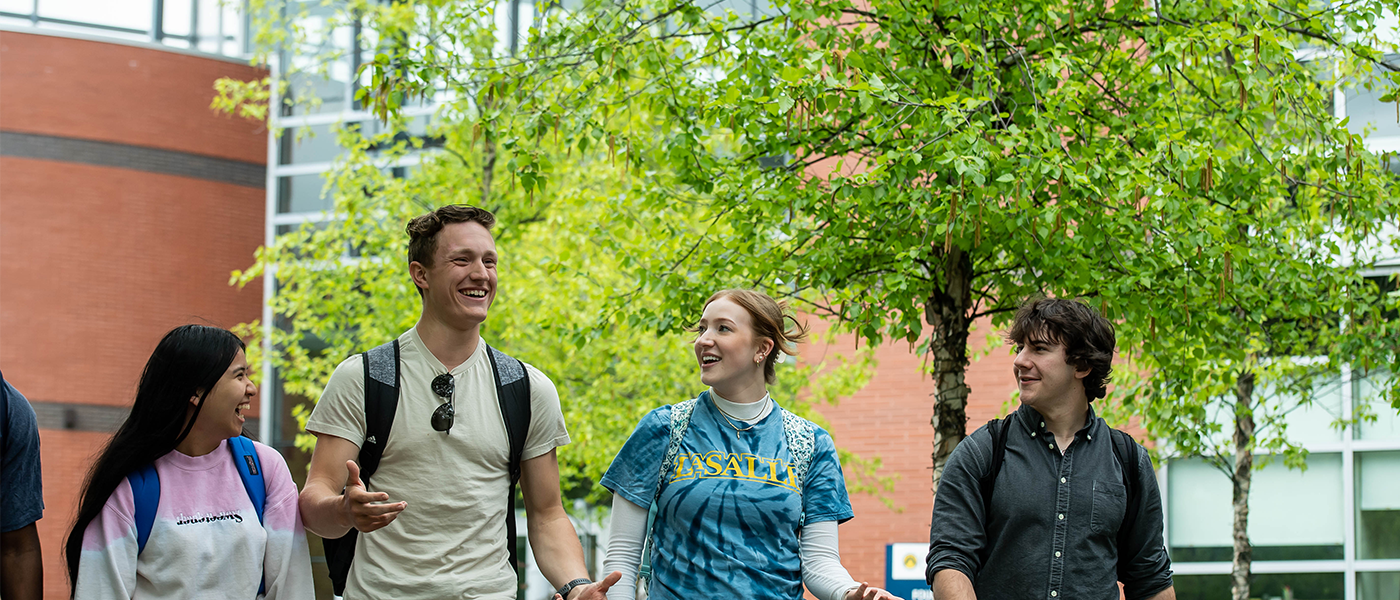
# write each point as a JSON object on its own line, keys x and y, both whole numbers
{"x": 569, "y": 587}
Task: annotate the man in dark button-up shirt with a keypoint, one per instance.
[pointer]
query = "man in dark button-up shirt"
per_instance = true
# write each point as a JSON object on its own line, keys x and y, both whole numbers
{"x": 1061, "y": 494}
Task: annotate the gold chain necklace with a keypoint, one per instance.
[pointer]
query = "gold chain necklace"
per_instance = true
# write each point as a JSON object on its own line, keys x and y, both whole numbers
{"x": 730, "y": 419}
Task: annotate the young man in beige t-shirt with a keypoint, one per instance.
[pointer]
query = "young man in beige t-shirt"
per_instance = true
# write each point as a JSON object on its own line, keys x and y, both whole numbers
{"x": 436, "y": 513}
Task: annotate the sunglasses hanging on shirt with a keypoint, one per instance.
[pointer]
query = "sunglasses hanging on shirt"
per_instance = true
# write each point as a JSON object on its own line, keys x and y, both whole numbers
{"x": 443, "y": 386}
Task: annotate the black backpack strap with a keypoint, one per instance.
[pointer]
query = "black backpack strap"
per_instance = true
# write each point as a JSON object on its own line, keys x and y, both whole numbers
{"x": 513, "y": 392}
{"x": 998, "y": 429}
{"x": 381, "y": 403}
{"x": 1126, "y": 451}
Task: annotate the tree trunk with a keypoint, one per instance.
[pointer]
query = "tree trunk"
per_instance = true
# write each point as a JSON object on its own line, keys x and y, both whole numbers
{"x": 1244, "y": 469}
{"x": 947, "y": 311}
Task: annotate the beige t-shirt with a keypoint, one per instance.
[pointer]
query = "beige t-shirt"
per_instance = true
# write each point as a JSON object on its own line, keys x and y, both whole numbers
{"x": 450, "y": 541}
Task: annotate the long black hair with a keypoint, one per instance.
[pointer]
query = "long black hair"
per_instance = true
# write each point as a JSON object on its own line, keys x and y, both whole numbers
{"x": 188, "y": 361}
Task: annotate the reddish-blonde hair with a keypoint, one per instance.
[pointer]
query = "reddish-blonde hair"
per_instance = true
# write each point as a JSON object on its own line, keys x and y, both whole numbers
{"x": 769, "y": 321}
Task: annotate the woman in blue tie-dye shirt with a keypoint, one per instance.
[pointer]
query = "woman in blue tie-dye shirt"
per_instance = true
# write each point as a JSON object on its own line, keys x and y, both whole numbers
{"x": 751, "y": 496}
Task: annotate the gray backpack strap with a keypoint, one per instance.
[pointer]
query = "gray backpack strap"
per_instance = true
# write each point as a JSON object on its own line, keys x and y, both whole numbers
{"x": 801, "y": 437}
{"x": 680, "y": 421}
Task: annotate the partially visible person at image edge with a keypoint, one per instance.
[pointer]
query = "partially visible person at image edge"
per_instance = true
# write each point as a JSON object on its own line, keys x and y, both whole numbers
{"x": 21, "y": 498}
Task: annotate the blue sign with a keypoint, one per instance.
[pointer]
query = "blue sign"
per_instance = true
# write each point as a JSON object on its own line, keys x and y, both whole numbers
{"x": 904, "y": 571}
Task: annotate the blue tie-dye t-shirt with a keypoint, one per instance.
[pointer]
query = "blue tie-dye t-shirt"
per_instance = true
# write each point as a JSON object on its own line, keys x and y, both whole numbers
{"x": 727, "y": 520}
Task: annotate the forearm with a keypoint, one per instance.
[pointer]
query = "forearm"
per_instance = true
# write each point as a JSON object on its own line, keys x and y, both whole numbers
{"x": 21, "y": 564}
{"x": 952, "y": 584}
{"x": 323, "y": 511}
{"x": 822, "y": 572}
{"x": 1167, "y": 594}
{"x": 555, "y": 544}
{"x": 627, "y": 534}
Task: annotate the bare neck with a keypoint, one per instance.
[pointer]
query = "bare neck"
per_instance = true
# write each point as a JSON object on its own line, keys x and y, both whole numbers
{"x": 449, "y": 345}
{"x": 198, "y": 444}
{"x": 1065, "y": 417}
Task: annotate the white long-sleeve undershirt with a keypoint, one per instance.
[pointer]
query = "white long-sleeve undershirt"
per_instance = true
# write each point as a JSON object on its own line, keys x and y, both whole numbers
{"x": 820, "y": 549}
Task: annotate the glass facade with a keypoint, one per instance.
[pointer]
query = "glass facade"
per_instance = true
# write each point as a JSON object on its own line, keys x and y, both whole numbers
{"x": 1330, "y": 531}
{"x": 210, "y": 26}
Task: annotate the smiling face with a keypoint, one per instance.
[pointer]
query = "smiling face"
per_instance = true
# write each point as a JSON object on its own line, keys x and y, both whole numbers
{"x": 222, "y": 416}
{"x": 730, "y": 355}
{"x": 1044, "y": 375}
{"x": 460, "y": 285}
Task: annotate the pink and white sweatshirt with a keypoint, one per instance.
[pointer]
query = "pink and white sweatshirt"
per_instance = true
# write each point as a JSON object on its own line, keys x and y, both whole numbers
{"x": 206, "y": 541}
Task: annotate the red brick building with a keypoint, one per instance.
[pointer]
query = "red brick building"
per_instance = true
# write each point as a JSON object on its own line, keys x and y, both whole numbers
{"x": 889, "y": 419}
{"x": 125, "y": 202}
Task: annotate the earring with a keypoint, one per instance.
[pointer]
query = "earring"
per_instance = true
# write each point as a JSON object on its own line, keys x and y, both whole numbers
{"x": 759, "y": 359}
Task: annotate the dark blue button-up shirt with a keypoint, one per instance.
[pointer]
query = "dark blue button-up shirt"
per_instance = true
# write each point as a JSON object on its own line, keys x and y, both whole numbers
{"x": 1053, "y": 529}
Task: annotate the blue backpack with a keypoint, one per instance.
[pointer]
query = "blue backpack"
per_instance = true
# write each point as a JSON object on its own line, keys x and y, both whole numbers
{"x": 145, "y": 491}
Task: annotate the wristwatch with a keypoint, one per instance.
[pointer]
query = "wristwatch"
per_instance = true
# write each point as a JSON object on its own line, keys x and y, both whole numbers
{"x": 569, "y": 587}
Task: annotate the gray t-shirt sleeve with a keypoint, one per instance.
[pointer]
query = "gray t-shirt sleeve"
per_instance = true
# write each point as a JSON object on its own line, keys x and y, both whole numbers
{"x": 21, "y": 482}
{"x": 547, "y": 430}
{"x": 341, "y": 409}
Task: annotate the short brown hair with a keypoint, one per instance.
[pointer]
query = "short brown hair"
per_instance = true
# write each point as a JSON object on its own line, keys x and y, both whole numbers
{"x": 423, "y": 229}
{"x": 768, "y": 322}
{"x": 1086, "y": 335}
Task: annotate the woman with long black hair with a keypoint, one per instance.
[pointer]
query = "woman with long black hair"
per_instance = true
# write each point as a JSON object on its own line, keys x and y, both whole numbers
{"x": 179, "y": 505}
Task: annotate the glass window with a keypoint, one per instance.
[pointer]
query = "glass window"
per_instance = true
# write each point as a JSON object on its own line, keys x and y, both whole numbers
{"x": 316, "y": 143}
{"x": 303, "y": 194}
{"x": 311, "y": 93}
{"x": 1377, "y": 586}
{"x": 1200, "y": 508}
{"x": 1365, "y": 109}
{"x": 1377, "y": 505}
{"x": 132, "y": 14}
{"x": 1314, "y": 421}
{"x": 1272, "y": 586}
{"x": 1366, "y": 394}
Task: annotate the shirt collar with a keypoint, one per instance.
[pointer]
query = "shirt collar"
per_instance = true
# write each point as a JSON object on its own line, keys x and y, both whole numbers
{"x": 1034, "y": 424}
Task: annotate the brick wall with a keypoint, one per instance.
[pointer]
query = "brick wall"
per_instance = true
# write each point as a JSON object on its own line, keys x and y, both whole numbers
{"x": 122, "y": 93}
{"x": 98, "y": 262}
{"x": 889, "y": 419}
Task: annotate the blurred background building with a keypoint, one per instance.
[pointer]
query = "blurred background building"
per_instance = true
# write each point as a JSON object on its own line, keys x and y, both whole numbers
{"x": 124, "y": 204}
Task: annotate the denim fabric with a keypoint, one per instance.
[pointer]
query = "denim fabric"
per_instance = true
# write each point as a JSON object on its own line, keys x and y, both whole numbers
{"x": 21, "y": 486}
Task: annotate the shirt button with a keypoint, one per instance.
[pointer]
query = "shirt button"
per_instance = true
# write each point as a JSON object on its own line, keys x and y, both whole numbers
{"x": 1091, "y": 438}
{"x": 1042, "y": 423}
{"x": 1032, "y": 434}
{"x": 1054, "y": 594}
{"x": 1062, "y": 516}
{"x": 1057, "y": 554}
{"x": 1062, "y": 480}
{"x": 1050, "y": 446}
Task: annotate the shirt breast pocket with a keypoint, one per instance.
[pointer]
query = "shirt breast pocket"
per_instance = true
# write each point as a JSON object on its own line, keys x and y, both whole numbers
{"x": 1110, "y": 503}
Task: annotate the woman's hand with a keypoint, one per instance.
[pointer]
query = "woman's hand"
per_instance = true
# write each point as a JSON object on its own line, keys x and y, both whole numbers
{"x": 865, "y": 592}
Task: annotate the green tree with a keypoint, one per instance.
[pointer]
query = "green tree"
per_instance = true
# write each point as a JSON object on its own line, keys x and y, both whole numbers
{"x": 909, "y": 168}
{"x": 342, "y": 284}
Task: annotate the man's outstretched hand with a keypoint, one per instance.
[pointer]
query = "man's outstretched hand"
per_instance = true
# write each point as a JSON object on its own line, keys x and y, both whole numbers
{"x": 597, "y": 590}
{"x": 865, "y": 592}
